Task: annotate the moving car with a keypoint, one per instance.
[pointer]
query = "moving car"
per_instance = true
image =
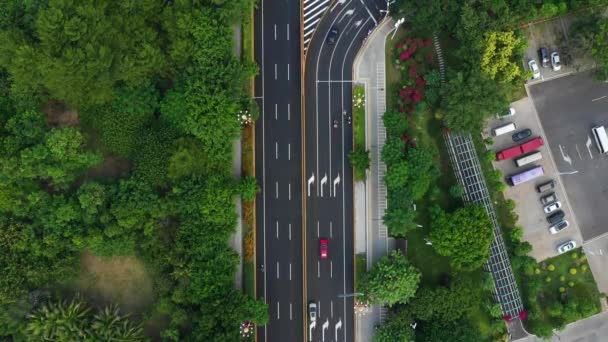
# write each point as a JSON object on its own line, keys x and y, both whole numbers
{"x": 323, "y": 248}
{"x": 550, "y": 198}
{"x": 556, "y": 217}
{"x": 312, "y": 311}
{"x": 552, "y": 207}
{"x": 332, "y": 36}
{"x": 543, "y": 56}
{"x": 535, "y": 70}
{"x": 566, "y": 246}
{"x": 521, "y": 135}
{"x": 555, "y": 62}
{"x": 558, "y": 227}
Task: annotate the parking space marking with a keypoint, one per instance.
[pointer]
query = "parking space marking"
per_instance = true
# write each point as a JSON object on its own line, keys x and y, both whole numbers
{"x": 599, "y": 98}
{"x": 577, "y": 151}
{"x": 565, "y": 156}
{"x": 588, "y": 144}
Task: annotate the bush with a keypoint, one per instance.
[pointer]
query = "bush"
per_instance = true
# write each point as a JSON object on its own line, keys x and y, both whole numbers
{"x": 551, "y": 267}
{"x": 537, "y": 271}
{"x": 249, "y": 188}
{"x": 571, "y": 283}
{"x": 572, "y": 271}
{"x": 456, "y": 191}
{"x": 574, "y": 255}
{"x": 359, "y": 160}
{"x": 548, "y": 279}
{"x": 584, "y": 268}
{"x": 562, "y": 289}
{"x": 562, "y": 278}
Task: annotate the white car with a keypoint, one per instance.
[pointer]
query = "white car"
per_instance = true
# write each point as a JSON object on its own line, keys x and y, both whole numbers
{"x": 549, "y": 208}
{"x": 312, "y": 311}
{"x": 558, "y": 227}
{"x": 566, "y": 246}
{"x": 555, "y": 62}
{"x": 506, "y": 113}
{"x": 535, "y": 70}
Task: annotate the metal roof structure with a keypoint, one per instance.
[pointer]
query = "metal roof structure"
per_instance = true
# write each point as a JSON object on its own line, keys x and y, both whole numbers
{"x": 467, "y": 169}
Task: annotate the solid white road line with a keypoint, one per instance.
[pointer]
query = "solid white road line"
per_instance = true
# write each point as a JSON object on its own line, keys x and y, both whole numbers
{"x": 331, "y": 269}
{"x": 276, "y": 190}
{"x": 277, "y": 230}
{"x": 289, "y": 271}
{"x": 288, "y": 111}
{"x": 287, "y": 31}
{"x": 275, "y": 71}
{"x": 277, "y": 270}
{"x": 276, "y": 111}
{"x": 599, "y": 98}
{"x": 276, "y": 150}
{"x": 278, "y": 311}
{"x": 290, "y": 232}
{"x": 290, "y": 312}
{"x": 289, "y": 151}
{"x": 307, "y": 6}
{"x": 318, "y": 269}
{"x": 312, "y": 24}
{"x": 275, "y": 31}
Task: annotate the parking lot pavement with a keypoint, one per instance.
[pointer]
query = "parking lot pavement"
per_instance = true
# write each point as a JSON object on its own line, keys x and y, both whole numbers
{"x": 568, "y": 108}
{"x": 528, "y": 206}
{"x": 597, "y": 256}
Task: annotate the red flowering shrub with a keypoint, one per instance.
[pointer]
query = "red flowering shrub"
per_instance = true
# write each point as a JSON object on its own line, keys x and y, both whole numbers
{"x": 413, "y": 58}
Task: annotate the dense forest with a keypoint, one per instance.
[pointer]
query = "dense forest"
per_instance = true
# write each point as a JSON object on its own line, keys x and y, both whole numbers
{"x": 117, "y": 121}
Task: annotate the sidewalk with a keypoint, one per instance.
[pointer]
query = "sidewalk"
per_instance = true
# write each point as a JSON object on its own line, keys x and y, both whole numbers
{"x": 370, "y": 196}
{"x": 236, "y": 241}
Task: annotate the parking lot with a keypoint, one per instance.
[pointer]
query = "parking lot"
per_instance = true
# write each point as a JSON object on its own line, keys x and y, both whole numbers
{"x": 568, "y": 108}
{"x": 529, "y": 208}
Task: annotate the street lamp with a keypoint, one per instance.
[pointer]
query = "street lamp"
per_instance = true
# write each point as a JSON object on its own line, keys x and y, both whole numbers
{"x": 246, "y": 328}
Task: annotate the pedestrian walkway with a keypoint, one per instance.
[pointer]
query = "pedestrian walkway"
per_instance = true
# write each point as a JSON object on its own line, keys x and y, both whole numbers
{"x": 312, "y": 12}
{"x": 369, "y": 70}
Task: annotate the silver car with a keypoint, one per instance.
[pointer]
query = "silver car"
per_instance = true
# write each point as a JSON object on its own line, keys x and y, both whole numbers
{"x": 535, "y": 70}
{"x": 312, "y": 311}
{"x": 549, "y": 208}
{"x": 566, "y": 247}
{"x": 558, "y": 227}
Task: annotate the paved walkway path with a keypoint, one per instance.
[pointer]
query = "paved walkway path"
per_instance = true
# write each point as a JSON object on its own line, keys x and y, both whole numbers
{"x": 370, "y": 197}
{"x": 236, "y": 241}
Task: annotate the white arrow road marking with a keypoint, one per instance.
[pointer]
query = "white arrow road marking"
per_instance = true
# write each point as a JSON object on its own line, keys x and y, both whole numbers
{"x": 338, "y": 326}
{"x": 340, "y": 2}
{"x": 565, "y": 156}
{"x": 323, "y": 181}
{"x": 588, "y": 144}
{"x": 312, "y": 326}
{"x": 358, "y": 23}
{"x": 336, "y": 182}
{"x": 325, "y": 327}
{"x": 310, "y": 181}
{"x": 347, "y": 13}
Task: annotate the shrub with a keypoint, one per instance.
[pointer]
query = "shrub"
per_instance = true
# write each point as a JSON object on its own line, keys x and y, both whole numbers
{"x": 551, "y": 267}
{"x": 562, "y": 289}
{"x": 562, "y": 278}
{"x": 571, "y": 283}
{"x": 548, "y": 279}
{"x": 248, "y": 188}
{"x": 574, "y": 255}
{"x": 516, "y": 234}
{"x": 584, "y": 268}
{"x": 456, "y": 191}
{"x": 537, "y": 271}
{"x": 573, "y": 271}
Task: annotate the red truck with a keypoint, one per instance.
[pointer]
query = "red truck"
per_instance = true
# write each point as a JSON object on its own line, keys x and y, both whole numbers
{"x": 518, "y": 150}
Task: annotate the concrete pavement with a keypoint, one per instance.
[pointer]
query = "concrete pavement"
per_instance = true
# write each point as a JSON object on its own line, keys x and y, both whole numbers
{"x": 236, "y": 241}
{"x": 592, "y": 329}
{"x": 370, "y": 198}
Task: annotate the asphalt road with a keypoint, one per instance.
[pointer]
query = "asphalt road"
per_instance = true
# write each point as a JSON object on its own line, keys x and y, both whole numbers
{"x": 279, "y": 169}
{"x": 568, "y": 108}
{"x": 328, "y": 175}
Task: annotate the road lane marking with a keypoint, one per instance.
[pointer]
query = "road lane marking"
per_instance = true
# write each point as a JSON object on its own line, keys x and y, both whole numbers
{"x": 276, "y": 150}
{"x": 289, "y": 190}
{"x": 287, "y": 31}
{"x": 290, "y": 232}
{"x": 275, "y": 71}
{"x": 331, "y": 269}
{"x": 332, "y": 308}
{"x": 277, "y": 270}
{"x": 318, "y": 229}
{"x": 599, "y": 98}
{"x": 578, "y": 151}
{"x": 565, "y": 156}
{"x": 310, "y": 181}
{"x": 290, "y": 312}
{"x": 288, "y": 112}
{"x": 336, "y": 182}
{"x": 325, "y": 327}
{"x": 276, "y": 190}
{"x": 276, "y": 111}
{"x": 275, "y": 31}
{"x": 319, "y": 307}
{"x": 588, "y": 144}
{"x": 277, "y": 230}
{"x": 289, "y": 151}
{"x": 288, "y": 71}
{"x": 331, "y": 233}
{"x": 318, "y": 270}
{"x": 289, "y": 271}
{"x": 338, "y": 326}
{"x": 323, "y": 181}
{"x": 278, "y": 311}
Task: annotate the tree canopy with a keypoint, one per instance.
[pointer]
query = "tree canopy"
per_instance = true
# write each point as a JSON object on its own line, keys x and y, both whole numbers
{"x": 392, "y": 280}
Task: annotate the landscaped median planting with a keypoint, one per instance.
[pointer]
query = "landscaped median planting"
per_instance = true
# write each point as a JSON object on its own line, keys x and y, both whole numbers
{"x": 359, "y": 156}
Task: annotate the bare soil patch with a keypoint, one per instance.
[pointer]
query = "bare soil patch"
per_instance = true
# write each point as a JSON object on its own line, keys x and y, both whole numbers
{"x": 123, "y": 280}
{"x": 111, "y": 167}
{"x": 59, "y": 115}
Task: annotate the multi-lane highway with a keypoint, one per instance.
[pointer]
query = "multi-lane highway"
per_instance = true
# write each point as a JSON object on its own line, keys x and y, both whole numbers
{"x": 318, "y": 183}
{"x": 279, "y": 169}
{"x": 328, "y": 175}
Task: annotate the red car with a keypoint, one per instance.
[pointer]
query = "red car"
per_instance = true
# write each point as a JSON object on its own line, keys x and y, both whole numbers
{"x": 323, "y": 248}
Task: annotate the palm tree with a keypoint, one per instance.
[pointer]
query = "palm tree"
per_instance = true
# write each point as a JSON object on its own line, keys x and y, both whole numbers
{"x": 59, "y": 321}
{"x": 109, "y": 325}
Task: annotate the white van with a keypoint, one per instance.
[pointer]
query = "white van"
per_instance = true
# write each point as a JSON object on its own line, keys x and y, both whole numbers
{"x": 600, "y": 138}
{"x": 527, "y": 159}
{"x": 504, "y": 129}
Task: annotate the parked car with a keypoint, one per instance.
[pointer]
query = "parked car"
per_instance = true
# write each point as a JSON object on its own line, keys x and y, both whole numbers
{"x": 566, "y": 246}
{"x": 555, "y": 62}
{"x": 549, "y": 208}
{"x": 556, "y": 217}
{"x": 558, "y": 227}
{"x": 550, "y": 185}
{"x": 323, "y": 248}
{"x": 543, "y": 57}
{"x": 534, "y": 67}
{"x": 521, "y": 135}
{"x": 550, "y": 198}
{"x": 506, "y": 113}
{"x": 332, "y": 36}
{"x": 312, "y": 311}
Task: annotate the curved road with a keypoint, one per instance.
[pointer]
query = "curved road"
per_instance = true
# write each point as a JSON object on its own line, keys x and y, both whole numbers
{"x": 329, "y": 203}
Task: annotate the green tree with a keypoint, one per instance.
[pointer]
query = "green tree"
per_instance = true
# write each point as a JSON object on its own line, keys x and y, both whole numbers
{"x": 396, "y": 175}
{"x": 399, "y": 218}
{"x": 464, "y": 235}
{"x": 499, "y": 58}
{"x": 422, "y": 171}
{"x": 395, "y": 123}
{"x": 393, "y": 150}
{"x": 396, "y": 328}
{"x": 359, "y": 160}
{"x": 60, "y": 321}
{"x": 392, "y": 280}
{"x": 109, "y": 325}
{"x": 454, "y": 331}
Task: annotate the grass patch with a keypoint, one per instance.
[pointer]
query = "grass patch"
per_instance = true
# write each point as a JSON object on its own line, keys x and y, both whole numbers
{"x": 359, "y": 115}
{"x": 249, "y": 279}
{"x": 360, "y": 268}
{"x": 247, "y": 39}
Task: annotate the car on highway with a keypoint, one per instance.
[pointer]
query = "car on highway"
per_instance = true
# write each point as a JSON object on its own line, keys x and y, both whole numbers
{"x": 558, "y": 227}
{"x": 555, "y": 62}
{"x": 550, "y": 198}
{"x": 534, "y": 68}
{"x": 312, "y": 311}
{"x": 521, "y": 135}
{"x": 552, "y": 207}
{"x": 566, "y": 246}
{"x": 332, "y": 36}
{"x": 556, "y": 217}
{"x": 323, "y": 243}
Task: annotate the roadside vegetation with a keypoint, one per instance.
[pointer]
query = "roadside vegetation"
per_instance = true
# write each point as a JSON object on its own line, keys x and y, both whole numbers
{"x": 359, "y": 156}
{"x": 116, "y": 174}
{"x": 483, "y": 49}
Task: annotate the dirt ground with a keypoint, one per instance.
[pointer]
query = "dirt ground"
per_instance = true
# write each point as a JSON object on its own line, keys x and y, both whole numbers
{"x": 58, "y": 115}
{"x": 122, "y": 280}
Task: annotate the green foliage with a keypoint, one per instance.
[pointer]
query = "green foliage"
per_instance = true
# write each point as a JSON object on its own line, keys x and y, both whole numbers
{"x": 399, "y": 217}
{"x": 190, "y": 159}
{"x": 551, "y": 267}
{"x": 359, "y": 160}
{"x": 153, "y": 153}
{"x": 249, "y": 188}
{"x": 396, "y": 176}
{"x": 498, "y": 61}
{"x": 461, "y": 330}
{"x": 456, "y": 191}
{"x": 397, "y": 328}
{"x": 464, "y": 235}
{"x": 393, "y": 150}
{"x": 423, "y": 171}
{"x": 395, "y": 123}
{"x": 392, "y": 280}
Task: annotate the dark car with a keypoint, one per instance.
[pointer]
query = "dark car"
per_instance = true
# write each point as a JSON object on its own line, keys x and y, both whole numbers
{"x": 556, "y": 217}
{"x": 332, "y": 36}
{"x": 543, "y": 56}
{"x": 521, "y": 135}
